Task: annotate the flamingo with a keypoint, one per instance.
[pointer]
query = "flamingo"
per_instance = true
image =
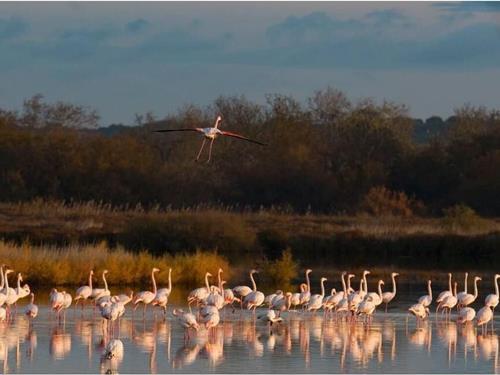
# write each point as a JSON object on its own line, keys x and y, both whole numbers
{"x": 295, "y": 300}
{"x": 419, "y": 311}
{"x": 114, "y": 349}
{"x": 316, "y": 301}
{"x": 328, "y": 301}
{"x": 356, "y": 297}
{"x": 211, "y": 134}
{"x": 255, "y": 298}
{"x": 65, "y": 301}
{"x": 441, "y": 297}
{"x": 167, "y": 290}
{"x": 367, "y": 307}
{"x": 216, "y": 298}
{"x": 464, "y": 293}
{"x": 229, "y": 297}
{"x": 270, "y": 317}
{"x": 187, "y": 320}
{"x": 3, "y": 291}
{"x": 31, "y": 310}
{"x": 491, "y": 300}
{"x": 465, "y": 315}
{"x": 305, "y": 296}
{"x": 123, "y": 298}
{"x": 84, "y": 292}
{"x": 340, "y": 295}
{"x": 468, "y": 298}
{"x": 377, "y": 298}
{"x": 427, "y": 299}
{"x": 146, "y": 296}
{"x": 484, "y": 316}
{"x": 389, "y": 296}
{"x": 199, "y": 295}
{"x": 12, "y": 296}
{"x": 100, "y": 292}
{"x": 282, "y": 304}
{"x": 268, "y": 300}
{"x": 449, "y": 302}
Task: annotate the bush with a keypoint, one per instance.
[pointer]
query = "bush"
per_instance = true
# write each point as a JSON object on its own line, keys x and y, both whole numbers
{"x": 380, "y": 201}
{"x": 185, "y": 231}
{"x": 462, "y": 217}
{"x": 280, "y": 272}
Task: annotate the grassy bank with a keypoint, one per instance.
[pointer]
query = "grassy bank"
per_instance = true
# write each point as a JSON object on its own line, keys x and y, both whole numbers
{"x": 248, "y": 238}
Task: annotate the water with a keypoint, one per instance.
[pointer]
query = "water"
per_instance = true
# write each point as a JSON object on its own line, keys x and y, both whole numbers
{"x": 302, "y": 344}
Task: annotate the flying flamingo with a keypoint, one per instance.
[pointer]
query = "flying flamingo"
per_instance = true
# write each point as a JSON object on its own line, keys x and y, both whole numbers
{"x": 389, "y": 296}
{"x": 210, "y": 134}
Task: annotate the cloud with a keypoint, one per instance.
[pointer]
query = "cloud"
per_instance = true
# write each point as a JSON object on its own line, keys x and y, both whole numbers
{"x": 137, "y": 25}
{"x": 11, "y": 27}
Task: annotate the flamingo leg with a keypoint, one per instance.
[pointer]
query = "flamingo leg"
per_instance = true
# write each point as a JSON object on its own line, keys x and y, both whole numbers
{"x": 201, "y": 149}
{"x": 210, "y": 150}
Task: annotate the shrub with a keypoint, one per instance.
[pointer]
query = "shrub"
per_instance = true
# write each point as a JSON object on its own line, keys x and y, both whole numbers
{"x": 185, "y": 231}
{"x": 380, "y": 201}
{"x": 280, "y": 272}
{"x": 462, "y": 217}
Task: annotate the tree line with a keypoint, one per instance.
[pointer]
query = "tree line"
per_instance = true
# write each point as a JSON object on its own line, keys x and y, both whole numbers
{"x": 329, "y": 155}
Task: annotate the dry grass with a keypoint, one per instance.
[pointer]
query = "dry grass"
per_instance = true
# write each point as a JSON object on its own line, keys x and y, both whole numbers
{"x": 48, "y": 265}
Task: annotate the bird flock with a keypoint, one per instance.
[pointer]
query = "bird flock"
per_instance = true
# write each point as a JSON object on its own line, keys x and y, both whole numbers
{"x": 206, "y": 303}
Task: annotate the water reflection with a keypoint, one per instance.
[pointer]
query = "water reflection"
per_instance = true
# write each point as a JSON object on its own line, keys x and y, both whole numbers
{"x": 302, "y": 343}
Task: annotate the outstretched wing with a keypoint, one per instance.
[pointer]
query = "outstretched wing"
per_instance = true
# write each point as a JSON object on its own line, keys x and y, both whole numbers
{"x": 234, "y": 135}
{"x": 178, "y": 130}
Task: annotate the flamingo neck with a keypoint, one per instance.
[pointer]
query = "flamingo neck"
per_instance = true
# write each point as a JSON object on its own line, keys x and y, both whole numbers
{"x": 475, "y": 288}
{"x": 253, "y": 282}
{"x": 394, "y": 284}
{"x": 154, "y": 281}
{"x": 3, "y": 279}
{"x": 18, "y": 282}
{"x": 380, "y": 289}
{"x": 361, "y": 290}
{"x": 366, "y": 284}
{"x": 308, "y": 282}
{"x": 206, "y": 283}
{"x": 348, "y": 284}
{"x": 343, "y": 285}
{"x": 455, "y": 290}
{"x": 170, "y": 279}
{"x": 90, "y": 281}
{"x": 496, "y": 286}
{"x": 7, "y": 282}
{"x": 32, "y": 298}
{"x": 105, "y": 282}
{"x": 449, "y": 283}
{"x": 465, "y": 286}
{"x": 322, "y": 287}
{"x": 220, "y": 283}
{"x": 429, "y": 289}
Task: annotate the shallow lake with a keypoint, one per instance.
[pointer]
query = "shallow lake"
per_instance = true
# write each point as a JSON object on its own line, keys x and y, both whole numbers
{"x": 303, "y": 343}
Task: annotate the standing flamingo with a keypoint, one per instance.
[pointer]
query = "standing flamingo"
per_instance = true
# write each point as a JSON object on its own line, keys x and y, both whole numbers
{"x": 484, "y": 316}
{"x": 468, "y": 298}
{"x": 255, "y": 298}
{"x": 187, "y": 320}
{"x": 199, "y": 295}
{"x": 100, "y": 292}
{"x": 464, "y": 293}
{"x": 427, "y": 299}
{"x": 305, "y": 296}
{"x": 211, "y": 134}
{"x": 449, "y": 302}
{"x": 316, "y": 301}
{"x": 389, "y": 296}
{"x": 146, "y": 296}
{"x": 445, "y": 293}
{"x": 31, "y": 310}
{"x": 492, "y": 299}
{"x": 84, "y": 292}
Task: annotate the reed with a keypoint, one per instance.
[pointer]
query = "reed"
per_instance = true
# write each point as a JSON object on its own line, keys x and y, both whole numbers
{"x": 70, "y": 265}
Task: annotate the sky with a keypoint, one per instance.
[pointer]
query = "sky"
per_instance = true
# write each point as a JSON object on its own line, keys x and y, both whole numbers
{"x": 123, "y": 58}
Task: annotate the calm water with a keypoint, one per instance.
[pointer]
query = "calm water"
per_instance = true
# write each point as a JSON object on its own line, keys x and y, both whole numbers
{"x": 304, "y": 343}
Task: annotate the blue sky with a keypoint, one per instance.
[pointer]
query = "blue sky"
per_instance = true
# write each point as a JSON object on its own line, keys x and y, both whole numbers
{"x": 126, "y": 58}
